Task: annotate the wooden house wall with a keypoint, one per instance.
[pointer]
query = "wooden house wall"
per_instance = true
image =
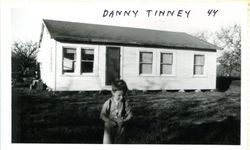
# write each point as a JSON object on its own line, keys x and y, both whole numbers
{"x": 46, "y": 58}
{"x": 79, "y": 82}
{"x": 182, "y": 77}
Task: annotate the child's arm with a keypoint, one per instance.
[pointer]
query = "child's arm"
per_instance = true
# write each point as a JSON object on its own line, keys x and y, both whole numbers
{"x": 128, "y": 112}
{"x": 123, "y": 121}
{"x": 104, "y": 114}
{"x": 107, "y": 119}
{"x": 127, "y": 117}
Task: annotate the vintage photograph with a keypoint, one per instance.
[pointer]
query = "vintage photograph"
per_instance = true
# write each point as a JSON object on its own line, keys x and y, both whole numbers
{"x": 101, "y": 74}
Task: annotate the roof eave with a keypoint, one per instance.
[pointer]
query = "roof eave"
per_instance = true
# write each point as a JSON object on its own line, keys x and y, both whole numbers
{"x": 119, "y": 43}
{"x": 41, "y": 35}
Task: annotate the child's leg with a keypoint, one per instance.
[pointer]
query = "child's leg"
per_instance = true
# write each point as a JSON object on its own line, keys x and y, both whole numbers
{"x": 120, "y": 138}
{"x": 108, "y": 134}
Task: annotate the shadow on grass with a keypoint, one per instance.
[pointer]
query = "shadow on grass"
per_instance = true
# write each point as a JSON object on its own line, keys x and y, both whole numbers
{"x": 225, "y": 132}
{"x": 54, "y": 120}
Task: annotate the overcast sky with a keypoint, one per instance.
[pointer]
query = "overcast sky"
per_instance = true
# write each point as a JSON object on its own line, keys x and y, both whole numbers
{"x": 26, "y": 21}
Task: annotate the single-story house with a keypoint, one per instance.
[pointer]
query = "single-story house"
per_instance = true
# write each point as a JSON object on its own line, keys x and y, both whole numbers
{"x": 88, "y": 57}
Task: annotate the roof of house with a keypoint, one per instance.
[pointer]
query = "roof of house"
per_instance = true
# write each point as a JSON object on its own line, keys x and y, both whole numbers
{"x": 92, "y": 33}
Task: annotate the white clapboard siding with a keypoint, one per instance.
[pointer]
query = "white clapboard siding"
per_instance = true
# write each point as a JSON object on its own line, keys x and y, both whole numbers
{"x": 79, "y": 82}
{"x": 46, "y": 58}
{"x": 182, "y": 77}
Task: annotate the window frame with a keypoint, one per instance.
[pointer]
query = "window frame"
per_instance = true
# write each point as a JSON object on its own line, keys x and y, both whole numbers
{"x": 86, "y": 48}
{"x": 204, "y": 65}
{"x": 161, "y": 63}
{"x": 144, "y": 50}
{"x": 78, "y": 48}
{"x": 69, "y": 73}
{"x": 174, "y": 54}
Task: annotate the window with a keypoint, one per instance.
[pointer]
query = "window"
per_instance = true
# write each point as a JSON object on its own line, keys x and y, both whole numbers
{"x": 69, "y": 60}
{"x": 146, "y": 62}
{"x": 79, "y": 59}
{"x": 166, "y": 63}
{"x": 87, "y": 60}
{"x": 199, "y": 61}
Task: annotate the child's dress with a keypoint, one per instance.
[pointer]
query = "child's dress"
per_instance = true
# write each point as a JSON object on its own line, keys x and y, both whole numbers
{"x": 115, "y": 111}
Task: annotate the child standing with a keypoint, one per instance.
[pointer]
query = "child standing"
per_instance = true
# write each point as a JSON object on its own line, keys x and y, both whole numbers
{"x": 116, "y": 113}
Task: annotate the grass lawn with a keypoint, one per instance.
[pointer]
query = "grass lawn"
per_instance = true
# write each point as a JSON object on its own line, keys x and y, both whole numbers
{"x": 159, "y": 117}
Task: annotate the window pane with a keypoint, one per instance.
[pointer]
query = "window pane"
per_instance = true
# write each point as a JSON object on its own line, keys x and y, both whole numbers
{"x": 69, "y": 57}
{"x": 87, "y": 54}
{"x": 198, "y": 70}
{"x": 87, "y": 67}
{"x": 166, "y": 69}
{"x": 87, "y": 64}
{"x": 145, "y": 68}
{"x": 146, "y": 57}
{"x": 199, "y": 60}
{"x": 167, "y": 58}
{"x": 69, "y": 53}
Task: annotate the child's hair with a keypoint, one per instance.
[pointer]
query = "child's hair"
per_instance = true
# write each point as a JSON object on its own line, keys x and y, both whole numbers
{"x": 119, "y": 85}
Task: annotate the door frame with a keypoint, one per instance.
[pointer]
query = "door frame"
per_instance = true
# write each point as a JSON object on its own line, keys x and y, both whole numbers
{"x": 121, "y": 63}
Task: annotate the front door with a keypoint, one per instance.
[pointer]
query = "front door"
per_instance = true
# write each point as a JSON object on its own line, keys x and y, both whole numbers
{"x": 112, "y": 64}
